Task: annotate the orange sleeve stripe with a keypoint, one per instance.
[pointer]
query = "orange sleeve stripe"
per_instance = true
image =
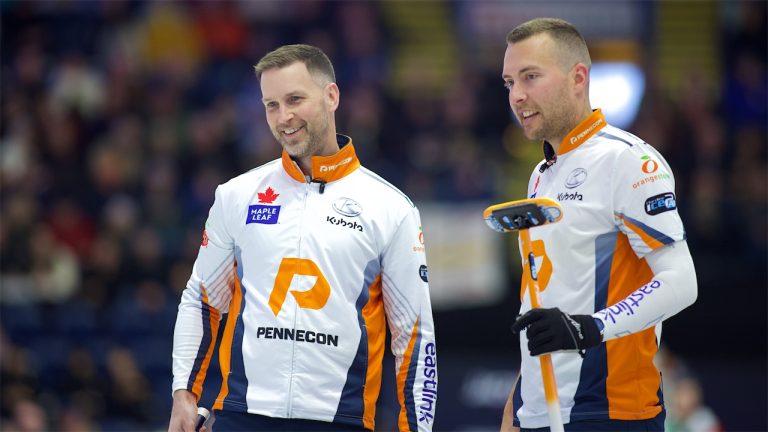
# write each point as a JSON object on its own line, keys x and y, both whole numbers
{"x": 225, "y": 350}
{"x": 213, "y": 325}
{"x": 650, "y": 241}
{"x": 375, "y": 322}
{"x": 402, "y": 375}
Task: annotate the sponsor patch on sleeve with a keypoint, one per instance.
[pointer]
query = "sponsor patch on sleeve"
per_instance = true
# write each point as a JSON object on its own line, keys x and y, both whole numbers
{"x": 660, "y": 203}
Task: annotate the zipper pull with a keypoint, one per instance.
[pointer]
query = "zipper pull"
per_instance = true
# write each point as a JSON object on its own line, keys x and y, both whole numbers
{"x": 322, "y": 184}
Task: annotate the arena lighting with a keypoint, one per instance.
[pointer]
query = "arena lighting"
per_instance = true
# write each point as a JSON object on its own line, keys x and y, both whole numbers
{"x": 617, "y": 88}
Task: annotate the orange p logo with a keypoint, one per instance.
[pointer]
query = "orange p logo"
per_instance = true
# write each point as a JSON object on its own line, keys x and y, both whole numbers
{"x": 314, "y": 298}
{"x": 544, "y": 270}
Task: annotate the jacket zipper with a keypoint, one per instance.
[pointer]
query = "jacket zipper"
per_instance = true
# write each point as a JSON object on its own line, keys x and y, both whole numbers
{"x": 289, "y": 407}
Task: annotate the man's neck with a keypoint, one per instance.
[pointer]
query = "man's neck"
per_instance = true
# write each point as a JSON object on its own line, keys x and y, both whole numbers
{"x": 557, "y": 141}
{"x": 305, "y": 165}
{"x": 330, "y": 149}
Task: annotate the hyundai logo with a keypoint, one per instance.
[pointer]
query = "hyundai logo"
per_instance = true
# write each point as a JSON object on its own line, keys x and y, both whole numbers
{"x": 576, "y": 178}
{"x": 347, "y": 207}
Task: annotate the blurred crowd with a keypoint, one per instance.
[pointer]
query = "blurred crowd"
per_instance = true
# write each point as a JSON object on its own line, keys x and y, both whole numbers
{"x": 120, "y": 118}
{"x": 684, "y": 398}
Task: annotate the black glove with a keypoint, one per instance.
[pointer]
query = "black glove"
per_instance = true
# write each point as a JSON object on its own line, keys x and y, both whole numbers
{"x": 553, "y": 330}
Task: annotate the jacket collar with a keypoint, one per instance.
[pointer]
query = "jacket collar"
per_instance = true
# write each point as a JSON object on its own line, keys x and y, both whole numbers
{"x": 326, "y": 168}
{"x": 581, "y": 133}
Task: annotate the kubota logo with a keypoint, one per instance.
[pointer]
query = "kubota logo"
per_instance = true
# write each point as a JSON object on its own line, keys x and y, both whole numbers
{"x": 649, "y": 166}
{"x": 313, "y": 298}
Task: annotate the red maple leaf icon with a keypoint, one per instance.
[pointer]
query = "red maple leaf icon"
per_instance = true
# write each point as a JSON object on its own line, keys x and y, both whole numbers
{"x": 268, "y": 196}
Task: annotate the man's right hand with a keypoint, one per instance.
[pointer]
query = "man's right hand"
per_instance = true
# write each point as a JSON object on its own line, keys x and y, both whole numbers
{"x": 184, "y": 413}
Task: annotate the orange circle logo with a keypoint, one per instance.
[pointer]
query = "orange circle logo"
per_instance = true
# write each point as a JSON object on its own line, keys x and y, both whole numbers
{"x": 650, "y": 166}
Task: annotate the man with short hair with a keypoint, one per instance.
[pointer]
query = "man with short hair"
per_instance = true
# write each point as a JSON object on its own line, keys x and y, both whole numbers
{"x": 312, "y": 255}
{"x": 613, "y": 268}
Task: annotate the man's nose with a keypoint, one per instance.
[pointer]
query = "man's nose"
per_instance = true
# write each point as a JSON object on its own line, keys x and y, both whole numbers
{"x": 516, "y": 95}
{"x": 285, "y": 115}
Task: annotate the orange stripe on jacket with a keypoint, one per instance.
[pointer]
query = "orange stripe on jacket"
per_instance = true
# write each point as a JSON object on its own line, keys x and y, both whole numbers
{"x": 633, "y": 381}
{"x": 225, "y": 350}
{"x": 402, "y": 375}
{"x": 650, "y": 241}
{"x": 375, "y": 322}
{"x": 213, "y": 318}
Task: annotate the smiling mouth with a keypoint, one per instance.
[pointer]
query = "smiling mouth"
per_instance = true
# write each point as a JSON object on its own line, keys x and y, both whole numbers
{"x": 527, "y": 116}
{"x": 292, "y": 131}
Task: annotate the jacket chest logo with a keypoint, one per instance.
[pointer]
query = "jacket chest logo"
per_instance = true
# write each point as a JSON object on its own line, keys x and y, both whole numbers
{"x": 349, "y": 208}
{"x": 573, "y": 196}
{"x": 576, "y": 178}
{"x": 264, "y": 213}
{"x": 353, "y": 225}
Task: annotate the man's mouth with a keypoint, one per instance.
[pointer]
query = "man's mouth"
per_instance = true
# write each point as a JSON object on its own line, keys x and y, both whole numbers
{"x": 527, "y": 116}
{"x": 292, "y": 131}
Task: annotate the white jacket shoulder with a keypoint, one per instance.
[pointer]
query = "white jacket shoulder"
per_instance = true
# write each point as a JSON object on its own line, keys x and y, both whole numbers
{"x": 388, "y": 193}
{"x": 252, "y": 175}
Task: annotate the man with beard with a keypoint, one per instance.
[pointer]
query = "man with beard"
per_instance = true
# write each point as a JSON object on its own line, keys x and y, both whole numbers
{"x": 613, "y": 268}
{"x": 341, "y": 241}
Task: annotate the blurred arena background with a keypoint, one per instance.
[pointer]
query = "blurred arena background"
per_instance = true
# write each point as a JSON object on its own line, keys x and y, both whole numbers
{"x": 119, "y": 119}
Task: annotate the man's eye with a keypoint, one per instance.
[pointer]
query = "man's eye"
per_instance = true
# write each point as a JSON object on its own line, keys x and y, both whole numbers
{"x": 271, "y": 105}
{"x": 294, "y": 99}
{"x": 508, "y": 85}
{"x": 531, "y": 76}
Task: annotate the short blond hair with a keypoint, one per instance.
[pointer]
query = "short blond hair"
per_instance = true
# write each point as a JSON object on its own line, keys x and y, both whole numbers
{"x": 318, "y": 64}
{"x": 571, "y": 46}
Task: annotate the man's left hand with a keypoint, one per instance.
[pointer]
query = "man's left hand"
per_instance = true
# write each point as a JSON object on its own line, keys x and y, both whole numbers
{"x": 553, "y": 330}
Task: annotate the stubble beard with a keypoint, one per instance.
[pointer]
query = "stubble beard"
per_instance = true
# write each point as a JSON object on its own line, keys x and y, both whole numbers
{"x": 558, "y": 122}
{"x": 308, "y": 148}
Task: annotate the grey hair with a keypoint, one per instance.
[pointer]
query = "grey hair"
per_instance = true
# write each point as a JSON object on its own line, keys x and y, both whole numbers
{"x": 318, "y": 64}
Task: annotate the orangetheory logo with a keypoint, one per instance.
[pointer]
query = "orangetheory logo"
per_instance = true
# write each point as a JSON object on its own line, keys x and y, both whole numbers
{"x": 649, "y": 166}
{"x": 314, "y": 298}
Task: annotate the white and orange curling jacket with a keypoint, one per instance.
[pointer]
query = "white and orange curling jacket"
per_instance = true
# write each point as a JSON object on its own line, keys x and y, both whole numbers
{"x": 618, "y": 254}
{"x": 310, "y": 273}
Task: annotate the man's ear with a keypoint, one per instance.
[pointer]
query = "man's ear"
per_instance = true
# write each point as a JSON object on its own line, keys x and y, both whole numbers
{"x": 332, "y": 95}
{"x": 580, "y": 75}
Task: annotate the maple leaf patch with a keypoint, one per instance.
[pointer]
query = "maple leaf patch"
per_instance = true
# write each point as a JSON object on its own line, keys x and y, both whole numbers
{"x": 268, "y": 197}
